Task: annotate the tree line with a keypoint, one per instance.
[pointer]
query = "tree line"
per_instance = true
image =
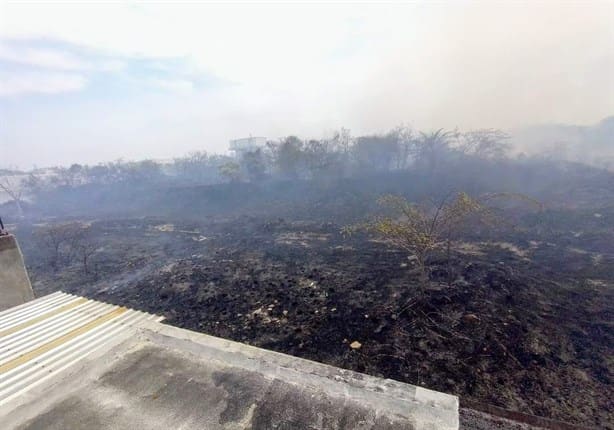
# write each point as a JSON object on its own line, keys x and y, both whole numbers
{"x": 289, "y": 158}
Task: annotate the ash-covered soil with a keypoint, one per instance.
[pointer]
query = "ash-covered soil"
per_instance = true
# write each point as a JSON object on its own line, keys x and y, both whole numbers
{"x": 521, "y": 324}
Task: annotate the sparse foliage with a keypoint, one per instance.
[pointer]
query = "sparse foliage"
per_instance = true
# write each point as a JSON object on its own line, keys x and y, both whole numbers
{"x": 420, "y": 229}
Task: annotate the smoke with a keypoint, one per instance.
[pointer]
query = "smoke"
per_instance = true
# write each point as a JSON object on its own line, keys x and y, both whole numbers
{"x": 498, "y": 65}
{"x": 216, "y": 72}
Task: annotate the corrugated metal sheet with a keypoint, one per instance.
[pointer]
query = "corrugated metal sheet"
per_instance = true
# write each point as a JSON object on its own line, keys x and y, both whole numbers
{"x": 47, "y": 335}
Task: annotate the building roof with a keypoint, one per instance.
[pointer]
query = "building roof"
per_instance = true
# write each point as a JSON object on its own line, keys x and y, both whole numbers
{"x": 71, "y": 362}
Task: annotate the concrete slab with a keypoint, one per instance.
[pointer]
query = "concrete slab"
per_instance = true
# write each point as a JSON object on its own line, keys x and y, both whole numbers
{"x": 153, "y": 376}
{"x": 15, "y": 287}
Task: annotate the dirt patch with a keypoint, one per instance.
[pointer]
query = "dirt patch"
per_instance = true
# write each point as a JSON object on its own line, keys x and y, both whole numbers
{"x": 523, "y": 253}
{"x": 164, "y": 227}
{"x": 300, "y": 238}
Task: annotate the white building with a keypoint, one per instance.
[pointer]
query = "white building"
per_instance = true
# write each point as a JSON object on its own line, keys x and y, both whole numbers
{"x": 247, "y": 144}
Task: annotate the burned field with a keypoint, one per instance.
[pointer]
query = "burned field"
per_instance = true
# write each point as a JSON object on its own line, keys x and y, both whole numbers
{"x": 523, "y": 321}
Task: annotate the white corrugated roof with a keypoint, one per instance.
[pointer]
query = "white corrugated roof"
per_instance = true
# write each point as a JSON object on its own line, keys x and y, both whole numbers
{"x": 47, "y": 335}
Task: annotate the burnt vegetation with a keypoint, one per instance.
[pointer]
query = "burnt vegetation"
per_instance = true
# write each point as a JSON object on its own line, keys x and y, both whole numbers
{"x": 433, "y": 258}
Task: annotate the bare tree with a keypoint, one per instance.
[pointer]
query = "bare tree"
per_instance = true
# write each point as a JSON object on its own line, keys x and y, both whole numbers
{"x": 60, "y": 242}
{"x": 342, "y": 140}
{"x": 406, "y": 143}
{"x": 14, "y": 189}
{"x": 34, "y": 183}
{"x": 84, "y": 247}
{"x": 484, "y": 143}
{"x": 198, "y": 167}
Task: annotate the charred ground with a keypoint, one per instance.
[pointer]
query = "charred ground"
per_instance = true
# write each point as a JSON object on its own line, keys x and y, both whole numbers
{"x": 516, "y": 322}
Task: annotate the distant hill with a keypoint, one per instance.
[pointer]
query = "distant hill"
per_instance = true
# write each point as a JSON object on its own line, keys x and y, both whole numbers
{"x": 592, "y": 145}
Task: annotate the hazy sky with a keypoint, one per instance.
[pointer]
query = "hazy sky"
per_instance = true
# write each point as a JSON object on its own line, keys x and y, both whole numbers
{"x": 98, "y": 82}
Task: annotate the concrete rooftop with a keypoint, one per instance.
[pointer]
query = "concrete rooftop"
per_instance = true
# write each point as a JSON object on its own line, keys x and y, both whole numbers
{"x": 67, "y": 362}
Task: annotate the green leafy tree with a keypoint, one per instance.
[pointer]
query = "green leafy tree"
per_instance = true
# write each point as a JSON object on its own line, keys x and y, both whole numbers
{"x": 288, "y": 156}
{"x": 432, "y": 148}
{"x": 230, "y": 171}
{"x": 376, "y": 152}
{"x": 255, "y": 165}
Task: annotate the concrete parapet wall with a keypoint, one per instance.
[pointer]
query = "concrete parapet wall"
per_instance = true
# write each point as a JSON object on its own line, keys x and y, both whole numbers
{"x": 395, "y": 404}
{"x": 15, "y": 288}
